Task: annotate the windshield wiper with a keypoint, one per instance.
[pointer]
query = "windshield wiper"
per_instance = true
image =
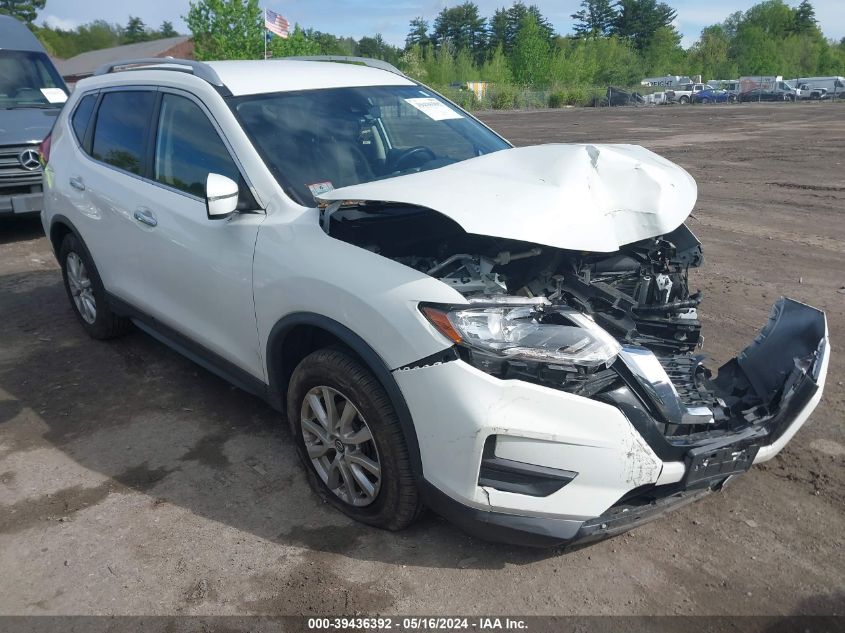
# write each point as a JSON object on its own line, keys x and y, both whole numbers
{"x": 39, "y": 106}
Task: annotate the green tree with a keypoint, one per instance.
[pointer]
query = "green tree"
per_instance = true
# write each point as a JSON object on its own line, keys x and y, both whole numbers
{"x": 638, "y": 20}
{"x": 731, "y": 24}
{"x": 331, "y": 44}
{"x": 463, "y": 27}
{"x": 167, "y": 30}
{"x": 709, "y": 58}
{"x": 23, "y": 10}
{"x": 594, "y": 19}
{"x": 296, "y": 44}
{"x": 417, "y": 32}
{"x": 497, "y": 69}
{"x": 440, "y": 64}
{"x": 663, "y": 54}
{"x": 505, "y": 24}
{"x": 516, "y": 18}
{"x": 135, "y": 31}
{"x": 465, "y": 69}
{"x": 412, "y": 63}
{"x": 805, "y": 18}
{"x": 755, "y": 52}
{"x": 773, "y": 17}
{"x": 531, "y": 50}
{"x": 226, "y": 29}
{"x": 376, "y": 48}
{"x": 497, "y": 31}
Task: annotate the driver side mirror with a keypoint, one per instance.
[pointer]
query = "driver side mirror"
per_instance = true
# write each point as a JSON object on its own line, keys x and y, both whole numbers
{"x": 221, "y": 196}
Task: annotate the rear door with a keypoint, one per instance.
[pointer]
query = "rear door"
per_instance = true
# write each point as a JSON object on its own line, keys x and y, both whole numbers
{"x": 194, "y": 274}
{"x": 102, "y": 185}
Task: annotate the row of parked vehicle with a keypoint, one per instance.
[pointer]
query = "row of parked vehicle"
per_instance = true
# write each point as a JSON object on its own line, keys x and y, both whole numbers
{"x": 760, "y": 88}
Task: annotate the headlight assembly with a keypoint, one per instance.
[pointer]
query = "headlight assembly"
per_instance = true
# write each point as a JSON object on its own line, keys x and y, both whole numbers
{"x": 556, "y": 336}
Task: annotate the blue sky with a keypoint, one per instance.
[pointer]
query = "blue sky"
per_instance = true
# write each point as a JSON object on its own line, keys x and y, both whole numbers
{"x": 366, "y": 17}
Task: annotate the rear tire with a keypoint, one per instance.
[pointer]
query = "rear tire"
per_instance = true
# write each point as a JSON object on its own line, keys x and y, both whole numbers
{"x": 683, "y": 100}
{"x": 356, "y": 458}
{"x": 86, "y": 292}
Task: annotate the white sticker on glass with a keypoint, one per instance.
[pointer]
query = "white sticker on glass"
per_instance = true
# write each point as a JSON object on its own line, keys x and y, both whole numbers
{"x": 54, "y": 95}
{"x": 434, "y": 109}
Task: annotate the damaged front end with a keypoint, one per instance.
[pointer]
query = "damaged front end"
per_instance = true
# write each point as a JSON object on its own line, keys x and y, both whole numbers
{"x": 572, "y": 264}
{"x": 618, "y": 327}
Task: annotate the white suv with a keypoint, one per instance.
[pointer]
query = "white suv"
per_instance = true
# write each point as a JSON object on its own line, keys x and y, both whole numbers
{"x": 505, "y": 335}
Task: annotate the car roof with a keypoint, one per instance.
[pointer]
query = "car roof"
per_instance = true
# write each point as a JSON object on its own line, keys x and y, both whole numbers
{"x": 14, "y": 35}
{"x": 248, "y": 77}
{"x": 282, "y": 75}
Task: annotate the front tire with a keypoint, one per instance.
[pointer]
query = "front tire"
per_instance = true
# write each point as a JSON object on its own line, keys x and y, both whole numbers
{"x": 348, "y": 436}
{"x": 86, "y": 292}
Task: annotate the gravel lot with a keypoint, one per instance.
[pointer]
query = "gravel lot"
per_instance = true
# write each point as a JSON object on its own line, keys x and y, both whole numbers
{"x": 134, "y": 482}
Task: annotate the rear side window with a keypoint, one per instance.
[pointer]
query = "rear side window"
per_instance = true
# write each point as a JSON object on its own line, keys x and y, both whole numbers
{"x": 188, "y": 147}
{"x": 123, "y": 121}
{"x": 81, "y": 116}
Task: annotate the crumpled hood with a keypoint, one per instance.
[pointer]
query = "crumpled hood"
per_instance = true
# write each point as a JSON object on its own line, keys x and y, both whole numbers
{"x": 573, "y": 196}
{"x": 26, "y": 125}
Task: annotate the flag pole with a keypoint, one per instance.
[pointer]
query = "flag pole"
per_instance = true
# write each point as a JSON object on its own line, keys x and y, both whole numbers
{"x": 265, "y": 34}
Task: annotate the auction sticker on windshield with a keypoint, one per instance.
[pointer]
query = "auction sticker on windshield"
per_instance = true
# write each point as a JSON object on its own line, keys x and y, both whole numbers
{"x": 433, "y": 108}
{"x": 319, "y": 188}
{"x": 54, "y": 95}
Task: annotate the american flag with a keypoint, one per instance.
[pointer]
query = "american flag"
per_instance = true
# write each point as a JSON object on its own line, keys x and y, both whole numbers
{"x": 276, "y": 23}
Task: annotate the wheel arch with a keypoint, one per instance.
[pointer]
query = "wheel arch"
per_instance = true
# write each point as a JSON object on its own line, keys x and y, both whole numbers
{"x": 295, "y": 336}
{"x": 60, "y": 227}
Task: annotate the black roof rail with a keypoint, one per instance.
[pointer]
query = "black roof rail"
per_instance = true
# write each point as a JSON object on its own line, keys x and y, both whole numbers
{"x": 366, "y": 61}
{"x": 198, "y": 69}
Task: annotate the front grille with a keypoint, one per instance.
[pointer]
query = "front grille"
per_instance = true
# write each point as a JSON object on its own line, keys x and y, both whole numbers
{"x": 12, "y": 173}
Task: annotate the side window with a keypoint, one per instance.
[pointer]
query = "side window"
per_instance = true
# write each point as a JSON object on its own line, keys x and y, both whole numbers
{"x": 188, "y": 148}
{"x": 81, "y": 116}
{"x": 123, "y": 121}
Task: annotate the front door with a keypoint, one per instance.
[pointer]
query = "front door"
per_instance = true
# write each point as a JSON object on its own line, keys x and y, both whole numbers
{"x": 196, "y": 273}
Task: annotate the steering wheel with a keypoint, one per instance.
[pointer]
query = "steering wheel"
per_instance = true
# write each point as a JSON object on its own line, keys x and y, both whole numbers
{"x": 405, "y": 155}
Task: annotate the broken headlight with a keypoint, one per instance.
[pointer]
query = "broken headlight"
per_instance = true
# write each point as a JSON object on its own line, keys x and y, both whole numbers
{"x": 556, "y": 336}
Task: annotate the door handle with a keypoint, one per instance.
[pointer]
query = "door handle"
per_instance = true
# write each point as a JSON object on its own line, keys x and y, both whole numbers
{"x": 145, "y": 216}
{"x": 76, "y": 183}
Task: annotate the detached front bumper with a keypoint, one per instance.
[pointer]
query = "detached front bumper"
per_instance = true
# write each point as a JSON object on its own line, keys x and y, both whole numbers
{"x": 526, "y": 464}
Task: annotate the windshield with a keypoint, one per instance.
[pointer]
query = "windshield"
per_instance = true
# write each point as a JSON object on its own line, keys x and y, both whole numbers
{"x": 28, "y": 79}
{"x": 318, "y": 140}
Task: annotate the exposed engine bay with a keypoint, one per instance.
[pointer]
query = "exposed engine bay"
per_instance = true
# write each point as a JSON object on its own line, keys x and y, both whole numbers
{"x": 640, "y": 295}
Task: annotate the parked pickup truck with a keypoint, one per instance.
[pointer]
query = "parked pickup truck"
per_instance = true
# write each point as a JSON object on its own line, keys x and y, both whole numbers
{"x": 684, "y": 93}
{"x": 818, "y": 88}
{"x": 805, "y": 91}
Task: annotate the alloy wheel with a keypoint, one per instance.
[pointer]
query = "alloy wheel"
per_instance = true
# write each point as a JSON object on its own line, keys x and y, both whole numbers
{"x": 340, "y": 446}
{"x": 81, "y": 289}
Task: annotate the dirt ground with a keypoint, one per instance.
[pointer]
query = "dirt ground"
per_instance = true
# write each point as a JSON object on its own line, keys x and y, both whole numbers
{"x": 134, "y": 482}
